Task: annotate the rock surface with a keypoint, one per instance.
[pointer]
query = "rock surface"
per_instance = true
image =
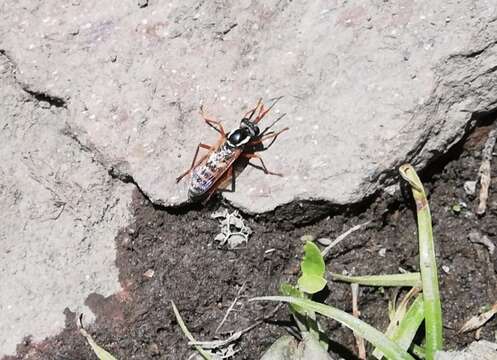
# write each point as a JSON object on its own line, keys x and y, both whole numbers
{"x": 482, "y": 350}
{"x": 60, "y": 214}
{"x": 367, "y": 86}
{"x": 91, "y": 88}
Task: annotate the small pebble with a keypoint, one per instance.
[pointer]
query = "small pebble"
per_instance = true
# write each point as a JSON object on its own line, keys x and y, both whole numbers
{"x": 392, "y": 189}
{"x": 324, "y": 241}
{"x": 149, "y": 273}
{"x": 470, "y": 187}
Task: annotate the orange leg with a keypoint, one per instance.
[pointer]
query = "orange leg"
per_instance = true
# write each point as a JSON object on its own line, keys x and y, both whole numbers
{"x": 264, "y": 168}
{"x": 194, "y": 162}
{"x": 216, "y": 125}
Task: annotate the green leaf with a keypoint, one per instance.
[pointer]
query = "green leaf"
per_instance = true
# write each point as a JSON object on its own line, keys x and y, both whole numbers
{"x": 313, "y": 263}
{"x": 311, "y": 284}
{"x": 313, "y": 269}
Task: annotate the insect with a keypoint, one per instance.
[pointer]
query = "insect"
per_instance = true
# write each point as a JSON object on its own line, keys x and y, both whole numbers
{"x": 216, "y": 168}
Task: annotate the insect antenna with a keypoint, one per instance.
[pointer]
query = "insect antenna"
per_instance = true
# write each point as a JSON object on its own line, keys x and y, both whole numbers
{"x": 252, "y": 112}
{"x": 270, "y": 126}
{"x": 263, "y": 113}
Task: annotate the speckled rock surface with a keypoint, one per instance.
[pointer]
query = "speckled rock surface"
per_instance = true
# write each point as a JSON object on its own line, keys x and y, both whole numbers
{"x": 60, "y": 214}
{"x": 367, "y": 85}
{"x": 483, "y": 350}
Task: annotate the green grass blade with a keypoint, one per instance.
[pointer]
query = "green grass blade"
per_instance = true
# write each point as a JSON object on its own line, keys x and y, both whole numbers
{"x": 188, "y": 334}
{"x": 387, "y": 346}
{"x": 419, "y": 351}
{"x": 407, "y": 279}
{"x": 409, "y": 325}
{"x": 403, "y": 330}
{"x": 290, "y": 290}
{"x": 427, "y": 264}
{"x": 397, "y": 315}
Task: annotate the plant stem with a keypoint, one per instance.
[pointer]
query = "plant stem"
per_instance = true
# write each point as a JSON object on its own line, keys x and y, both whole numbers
{"x": 427, "y": 264}
{"x": 407, "y": 279}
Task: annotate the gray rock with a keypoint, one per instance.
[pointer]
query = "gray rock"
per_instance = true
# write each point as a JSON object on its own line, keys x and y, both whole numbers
{"x": 287, "y": 348}
{"x": 482, "y": 350}
{"x": 60, "y": 214}
{"x": 367, "y": 86}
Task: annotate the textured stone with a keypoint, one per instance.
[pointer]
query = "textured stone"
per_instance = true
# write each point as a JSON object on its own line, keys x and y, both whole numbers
{"x": 367, "y": 85}
{"x": 60, "y": 214}
{"x": 482, "y": 350}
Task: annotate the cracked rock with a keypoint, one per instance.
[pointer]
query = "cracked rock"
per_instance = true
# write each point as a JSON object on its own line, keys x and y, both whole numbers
{"x": 367, "y": 86}
{"x": 60, "y": 214}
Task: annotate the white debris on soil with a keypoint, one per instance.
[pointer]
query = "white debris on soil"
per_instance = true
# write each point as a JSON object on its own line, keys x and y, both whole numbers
{"x": 218, "y": 354}
{"x": 470, "y": 187}
{"x": 234, "y": 232}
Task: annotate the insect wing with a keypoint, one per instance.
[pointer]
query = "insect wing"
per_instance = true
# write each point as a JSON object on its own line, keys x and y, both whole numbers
{"x": 207, "y": 175}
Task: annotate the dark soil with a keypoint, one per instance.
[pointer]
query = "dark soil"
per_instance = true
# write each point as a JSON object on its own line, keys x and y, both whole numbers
{"x": 203, "y": 279}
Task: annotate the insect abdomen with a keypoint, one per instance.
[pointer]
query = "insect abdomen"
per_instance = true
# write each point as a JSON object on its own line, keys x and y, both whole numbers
{"x": 206, "y": 175}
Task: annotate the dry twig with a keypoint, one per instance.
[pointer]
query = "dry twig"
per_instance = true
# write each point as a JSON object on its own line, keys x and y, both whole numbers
{"x": 479, "y": 320}
{"x": 231, "y": 307}
{"x": 327, "y": 249}
{"x": 355, "y": 311}
{"x": 484, "y": 172}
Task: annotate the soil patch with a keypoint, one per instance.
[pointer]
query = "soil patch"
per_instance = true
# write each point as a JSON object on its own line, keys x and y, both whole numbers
{"x": 166, "y": 256}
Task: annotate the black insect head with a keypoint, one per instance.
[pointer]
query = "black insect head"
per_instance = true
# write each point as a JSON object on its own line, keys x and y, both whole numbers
{"x": 250, "y": 126}
{"x": 243, "y": 134}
